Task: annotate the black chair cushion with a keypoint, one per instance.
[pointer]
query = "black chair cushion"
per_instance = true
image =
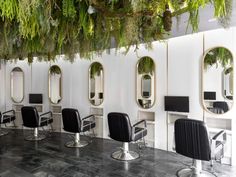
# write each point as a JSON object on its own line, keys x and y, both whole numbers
{"x": 71, "y": 120}
{"x": 139, "y": 133}
{"x": 120, "y": 127}
{"x": 191, "y": 139}
{"x": 8, "y": 119}
{"x": 30, "y": 116}
{"x": 87, "y": 125}
{"x": 44, "y": 122}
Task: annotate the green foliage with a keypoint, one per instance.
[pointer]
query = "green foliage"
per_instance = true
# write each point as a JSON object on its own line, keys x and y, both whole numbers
{"x": 146, "y": 65}
{"x": 55, "y": 69}
{"x": 218, "y": 56}
{"x": 95, "y": 69}
{"x": 68, "y": 8}
{"x": 46, "y": 28}
{"x": 8, "y": 9}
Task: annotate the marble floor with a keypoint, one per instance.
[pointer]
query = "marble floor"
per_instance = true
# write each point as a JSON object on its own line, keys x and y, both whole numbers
{"x": 50, "y": 158}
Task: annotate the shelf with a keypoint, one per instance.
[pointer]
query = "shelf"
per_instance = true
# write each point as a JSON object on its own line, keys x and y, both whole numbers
{"x": 146, "y": 115}
{"x": 96, "y": 111}
{"x": 219, "y": 123}
{"x": 56, "y": 109}
{"x": 178, "y": 113}
{"x": 150, "y": 122}
{"x": 216, "y": 130}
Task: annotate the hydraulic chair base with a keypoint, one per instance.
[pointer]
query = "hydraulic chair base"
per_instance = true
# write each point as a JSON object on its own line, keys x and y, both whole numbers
{"x": 35, "y": 136}
{"x": 76, "y": 142}
{"x": 195, "y": 171}
{"x": 124, "y": 154}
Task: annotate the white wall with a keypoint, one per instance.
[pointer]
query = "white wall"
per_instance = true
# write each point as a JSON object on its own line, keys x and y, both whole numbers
{"x": 178, "y": 73}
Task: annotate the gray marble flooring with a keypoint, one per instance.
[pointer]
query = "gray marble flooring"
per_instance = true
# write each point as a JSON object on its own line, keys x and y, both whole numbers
{"x": 50, "y": 158}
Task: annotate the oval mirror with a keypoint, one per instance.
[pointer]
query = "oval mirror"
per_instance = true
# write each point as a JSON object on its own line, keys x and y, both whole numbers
{"x": 218, "y": 80}
{"x": 96, "y": 84}
{"x": 17, "y": 85}
{"x": 54, "y": 85}
{"x": 145, "y": 82}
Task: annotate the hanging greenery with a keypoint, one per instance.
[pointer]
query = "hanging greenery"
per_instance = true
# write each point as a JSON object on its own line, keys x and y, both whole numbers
{"x": 46, "y": 28}
{"x": 55, "y": 70}
{"x": 95, "y": 69}
{"x": 146, "y": 66}
{"x": 218, "y": 56}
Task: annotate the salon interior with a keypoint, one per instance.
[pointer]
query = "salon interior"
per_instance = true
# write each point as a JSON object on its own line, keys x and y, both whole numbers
{"x": 92, "y": 88}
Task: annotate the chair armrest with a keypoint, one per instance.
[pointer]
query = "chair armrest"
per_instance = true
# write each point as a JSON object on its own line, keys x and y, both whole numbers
{"x": 49, "y": 112}
{"x": 13, "y": 111}
{"x": 219, "y": 134}
{"x": 141, "y": 121}
{"x": 90, "y": 116}
{"x": 215, "y": 139}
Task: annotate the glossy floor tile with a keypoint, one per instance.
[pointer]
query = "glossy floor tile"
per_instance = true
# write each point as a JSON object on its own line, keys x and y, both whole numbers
{"x": 50, "y": 158}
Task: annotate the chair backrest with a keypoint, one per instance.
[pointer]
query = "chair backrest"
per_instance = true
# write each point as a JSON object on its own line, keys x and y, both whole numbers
{"x": 120, "y": 127}
{"x": 71, "y": 120}
{"x": 191, "y": 139}
{"x": 221, "y": 105}
{"x": 30, "y": 116}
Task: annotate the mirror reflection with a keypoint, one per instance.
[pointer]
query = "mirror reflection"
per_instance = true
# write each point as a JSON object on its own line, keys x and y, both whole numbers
{"x": 55, "y": 91}
{"x": 218, "y": 80}
{"x": 96, "y": 84}
{"x": 145, "y": 82}
{"x": 17, "y": 85}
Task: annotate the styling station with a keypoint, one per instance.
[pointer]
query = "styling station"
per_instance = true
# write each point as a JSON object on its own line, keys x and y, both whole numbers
{"x": 157, "y": 107}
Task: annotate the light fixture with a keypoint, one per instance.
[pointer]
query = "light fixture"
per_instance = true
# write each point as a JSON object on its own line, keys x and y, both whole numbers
{"x": 91, "y": 10}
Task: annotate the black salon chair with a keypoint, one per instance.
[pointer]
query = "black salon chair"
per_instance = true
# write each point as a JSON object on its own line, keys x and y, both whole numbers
{"x": 6, "y": 118}
{"x": 31, "y": 119}
{"x": 220, "y": 107}
{"x": 192, "y": 140}
{"x": 121, "y": 130}
{"x": 74, "y": 124}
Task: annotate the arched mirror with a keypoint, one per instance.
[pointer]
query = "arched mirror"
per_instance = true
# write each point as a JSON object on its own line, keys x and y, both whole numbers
{"x": 96, "y": 84}
{"x": 54, "y": 85}
{"x": 145, "y": 82}
{"x": 17, "y": 85}
{"x": 218, "y": 80}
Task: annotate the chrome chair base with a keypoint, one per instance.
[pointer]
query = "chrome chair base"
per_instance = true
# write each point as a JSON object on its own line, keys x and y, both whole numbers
{"x": 189, "y": 172}
{"x": 78, "y": 144}
{"x": 125, "y": 156}
{"x": 35, "y": 138}
{"x": 194, "y": 171}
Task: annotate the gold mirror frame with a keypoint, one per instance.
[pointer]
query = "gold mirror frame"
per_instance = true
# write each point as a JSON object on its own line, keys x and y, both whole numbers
{"x": 23, "y": 85}
{"x": 139, "y": 84}
{"x": 55, "y": 69}
{"x": 101, "y": 69}
{"x": 202, "y": 80}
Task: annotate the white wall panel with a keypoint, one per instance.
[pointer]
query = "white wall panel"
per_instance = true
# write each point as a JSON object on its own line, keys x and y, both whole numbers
{"x": 184, "y": 70}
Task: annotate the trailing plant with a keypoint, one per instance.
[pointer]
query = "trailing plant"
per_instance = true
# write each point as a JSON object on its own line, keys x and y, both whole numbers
{"x": 218, "y": 56}
{"x": 55, "y": 70}
{"x": 95, "y": 69}
{"x": 146, "y": 65}
{"x": 46, "y": 28}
